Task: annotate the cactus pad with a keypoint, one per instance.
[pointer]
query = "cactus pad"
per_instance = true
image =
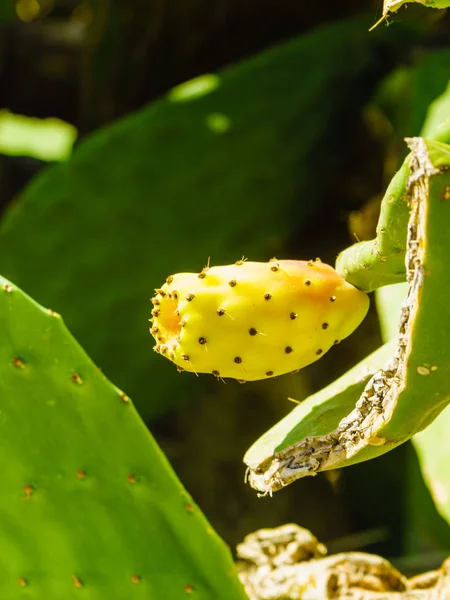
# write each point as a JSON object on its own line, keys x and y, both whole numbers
{"x": 254, "y": 320}
{"x": 89, "y": 506}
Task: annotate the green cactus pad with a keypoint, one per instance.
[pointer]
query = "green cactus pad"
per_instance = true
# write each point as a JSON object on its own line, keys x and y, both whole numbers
{"x": 253, "y": 320}
{"x": 411, "y": 389}
{"x": 89, "y": 507}
{"x": 433, "y": 477}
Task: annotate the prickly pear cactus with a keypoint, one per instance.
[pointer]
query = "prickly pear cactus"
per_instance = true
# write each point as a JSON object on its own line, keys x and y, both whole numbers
{"x": 89, "y": 507}
{"x": 185, "y": 155}
{"x": 406, "y": 393}
{"x": 254, "y": 320}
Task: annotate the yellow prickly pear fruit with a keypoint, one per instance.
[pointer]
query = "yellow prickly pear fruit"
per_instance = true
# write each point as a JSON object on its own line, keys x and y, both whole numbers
{"x": 254, "y": 320}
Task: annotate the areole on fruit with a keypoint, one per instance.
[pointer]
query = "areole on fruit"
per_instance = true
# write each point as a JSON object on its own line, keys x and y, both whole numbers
{"x": 254, "y": 320}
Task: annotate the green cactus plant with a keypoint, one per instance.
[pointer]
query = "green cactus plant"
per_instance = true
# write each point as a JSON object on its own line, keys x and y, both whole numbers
{"x": 7, "y": 12}
{"x": 90, "y": 504}
{"x": 406, "y": 394}
{"x": 90, "y": 507}
{"x": 227, "y": 161}
{"x": 254, "y": 320}
{"x": 367, "y": 265}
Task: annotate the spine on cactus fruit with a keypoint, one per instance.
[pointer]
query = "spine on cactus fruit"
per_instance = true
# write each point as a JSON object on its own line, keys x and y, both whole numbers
{"x": 253, "y": 320}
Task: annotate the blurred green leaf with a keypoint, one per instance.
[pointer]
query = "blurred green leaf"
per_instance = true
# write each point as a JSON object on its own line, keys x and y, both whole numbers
{"x": 389, "y": 301}
{"x": 7, "y": 10}
{"x": 406, "y": 99}
{"x": 195, "y": 88}
{"x": 437, "y": 122}
{"x": 46, "y": 139}
{"x": 434, "y": 461}
{"x": 231, "y": 172}
{"x": 431, "y": 78}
